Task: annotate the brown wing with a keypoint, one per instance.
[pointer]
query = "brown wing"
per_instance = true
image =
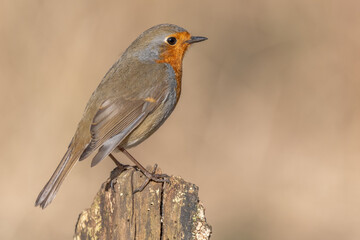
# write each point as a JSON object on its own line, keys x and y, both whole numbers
{"x": 114, "y": 121}
{"x": 118, "y": 116}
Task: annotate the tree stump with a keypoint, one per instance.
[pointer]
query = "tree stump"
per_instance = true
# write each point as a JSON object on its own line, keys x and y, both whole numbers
{"x": 161, "y": 211}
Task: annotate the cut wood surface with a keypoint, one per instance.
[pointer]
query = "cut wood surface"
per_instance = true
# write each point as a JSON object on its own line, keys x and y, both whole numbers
{"x": 161, "y": 211}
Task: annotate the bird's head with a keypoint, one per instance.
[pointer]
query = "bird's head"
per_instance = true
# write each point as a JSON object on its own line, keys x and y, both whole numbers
{"x": 163, "y": 43}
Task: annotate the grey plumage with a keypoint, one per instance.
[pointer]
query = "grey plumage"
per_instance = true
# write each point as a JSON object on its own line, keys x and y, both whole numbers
{"x": 132, "y": 101}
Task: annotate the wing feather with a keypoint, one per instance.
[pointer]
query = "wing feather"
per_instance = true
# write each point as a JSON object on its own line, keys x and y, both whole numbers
{"x": 114, "y": 121}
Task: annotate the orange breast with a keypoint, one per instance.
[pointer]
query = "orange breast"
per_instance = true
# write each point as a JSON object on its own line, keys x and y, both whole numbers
{"x": 173, "y": 55}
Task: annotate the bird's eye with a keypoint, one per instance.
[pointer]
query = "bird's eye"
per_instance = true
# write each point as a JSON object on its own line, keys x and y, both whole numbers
{"x": 171, "y": 40}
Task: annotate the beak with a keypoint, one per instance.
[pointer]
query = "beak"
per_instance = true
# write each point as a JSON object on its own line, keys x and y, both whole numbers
{"x": 195, "y": 39}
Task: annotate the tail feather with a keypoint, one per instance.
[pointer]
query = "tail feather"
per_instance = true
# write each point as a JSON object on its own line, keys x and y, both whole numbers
{"x": 48, "y": 193}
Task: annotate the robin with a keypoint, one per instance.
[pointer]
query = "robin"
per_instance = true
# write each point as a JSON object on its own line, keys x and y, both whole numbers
{"x": 132, "y": 101}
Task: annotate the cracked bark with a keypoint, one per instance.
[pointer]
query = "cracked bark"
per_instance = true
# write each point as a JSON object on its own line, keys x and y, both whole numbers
{"x": 161, "y": 211}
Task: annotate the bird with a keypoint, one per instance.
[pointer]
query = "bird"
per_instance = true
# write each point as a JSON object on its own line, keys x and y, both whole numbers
{"x": 134, "y": 98}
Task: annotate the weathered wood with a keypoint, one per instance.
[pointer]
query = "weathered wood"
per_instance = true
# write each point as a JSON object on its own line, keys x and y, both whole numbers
{"x": 161, "y": 211}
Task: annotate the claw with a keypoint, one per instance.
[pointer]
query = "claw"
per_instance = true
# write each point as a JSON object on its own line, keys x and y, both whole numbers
{"x": 114, "y": 174}
{"x": 159, "y": 178}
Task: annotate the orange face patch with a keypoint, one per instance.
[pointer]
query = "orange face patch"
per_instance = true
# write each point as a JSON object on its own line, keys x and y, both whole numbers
{"x": 173, "y": 54}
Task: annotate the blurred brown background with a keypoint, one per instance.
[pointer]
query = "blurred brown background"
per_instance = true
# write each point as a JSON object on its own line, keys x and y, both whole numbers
{"x": 268, "y": 125}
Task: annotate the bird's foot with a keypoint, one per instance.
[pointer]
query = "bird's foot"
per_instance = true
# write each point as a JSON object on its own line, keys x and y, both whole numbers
{"x": 115, "y": 173}
{"x": 152, "y": 176}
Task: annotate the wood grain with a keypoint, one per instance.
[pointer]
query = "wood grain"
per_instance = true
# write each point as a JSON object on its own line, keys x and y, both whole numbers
{"x": 161, "y": 211}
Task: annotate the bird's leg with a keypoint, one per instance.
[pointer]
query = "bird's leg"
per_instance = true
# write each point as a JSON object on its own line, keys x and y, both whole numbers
{"x": 118, "y": 164}
{"x": 145, "y": 183}
{"x": 116, "y": 172}
{"x": 151, "y": 176}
